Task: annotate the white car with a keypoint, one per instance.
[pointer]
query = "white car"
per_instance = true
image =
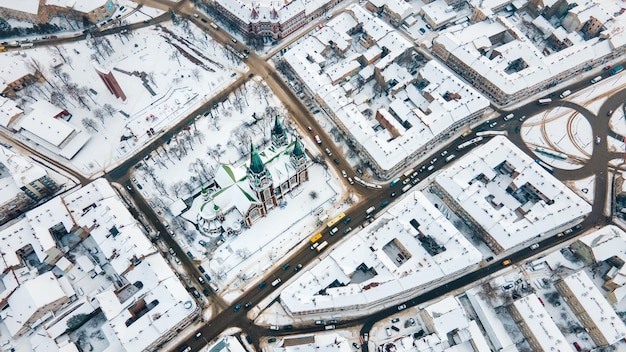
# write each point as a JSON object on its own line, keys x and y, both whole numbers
{"x": 344, "y": 174}
{"x": 402, "y": 307}
{"x": 534, "y": 246}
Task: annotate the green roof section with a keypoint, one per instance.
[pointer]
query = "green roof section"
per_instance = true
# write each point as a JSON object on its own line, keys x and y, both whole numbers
{"x": 250, "y": 198}
{"x": 297, "y": 148}
{"x": 256, "y": 164}
{"x": 229, "y": 172}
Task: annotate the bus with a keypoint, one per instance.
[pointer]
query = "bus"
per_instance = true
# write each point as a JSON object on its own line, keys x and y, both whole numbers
{"x": 316, "y": 238}
{"x": 322, "y": 246}
{"x": 395, "y": 182}
{"x": 548, "y": 168}
{"x": 616, "y": 70}
{"x": 332, "y": 222}
{"x": 408, "y": 173}
{"x": 26, "y": 45}
{"x": 491, "y": 133}
{"x": 470, "y": 142}
{"x": 466, "y": 133}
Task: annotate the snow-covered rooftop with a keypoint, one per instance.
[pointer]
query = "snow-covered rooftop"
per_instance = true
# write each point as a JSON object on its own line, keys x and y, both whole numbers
{"x": 31, "y": 296}
{"x": 44, "y": 126}
{"x": 509, "y": 195}
{"x": 20, "y": 171}
{"x": 27, "y": 6}
{"x": 8, "y": 111}
{"x": 412, "y": 224}
{"x": 430, "y": 111}
{"x": 541, "y": 325}
{"x": 467, "y": 45}
{"x": 596, "y": 306}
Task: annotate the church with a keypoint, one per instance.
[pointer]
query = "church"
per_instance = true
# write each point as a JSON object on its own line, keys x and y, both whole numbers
{"x": 248, "y": 192}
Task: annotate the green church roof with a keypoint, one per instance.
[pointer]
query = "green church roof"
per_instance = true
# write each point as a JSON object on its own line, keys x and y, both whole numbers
{"x": 256, "y": 164}
{"x": 278, "y": 127}
{"x": 297, "y": 148}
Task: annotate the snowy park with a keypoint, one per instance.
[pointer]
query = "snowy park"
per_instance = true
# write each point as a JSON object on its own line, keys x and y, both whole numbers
{"x": 165, "y": 72}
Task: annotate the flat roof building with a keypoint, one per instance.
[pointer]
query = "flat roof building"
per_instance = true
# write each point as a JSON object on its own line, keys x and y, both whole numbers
{"x": 507, "y": 197}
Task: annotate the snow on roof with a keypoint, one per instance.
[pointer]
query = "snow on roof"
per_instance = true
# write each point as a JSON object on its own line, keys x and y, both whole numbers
{"x": 63, "y": 264}
{"x": 84, "y": 263}
{"x": 596, "y": 306}
{"x": 159, "y": 283}
{"x": 33, "y": 230}
{"x": 27, "y": 6}
{"x": 177, "y": 207}
{"x": 492, "y": 324}
{"x": 447, "y": 316}
{"x": 115, "y": 230}
{"x": 91, "y": 5}
{"x": 439, "y": 12}
{"x": 20, "y": 172}
{"x": 8, "y": 111}
{"x": 12, "y": 70}
{"x": 400, "y": 8}
{"x": 61, "y": 3}
{"x": 489, "y": 4}
{"x": 376, "y": 28}
{"x": 31, "y": 296}
{"x": 41, "y": 122}
{"x": 342, "y": 69}
{"x": 342, "y": 24}
{"x": 368, "y": 248}
{"x": 383, "y": 149}
{"x": 589, "y": 10}
{"x": 243, "y": 10}
{"x": 607, "y": 242}
{"x": 508, "y": 194}
{"x": 460, "y": 42}
{"x": 58, "y": 326}
{"x": 540, "y": 324}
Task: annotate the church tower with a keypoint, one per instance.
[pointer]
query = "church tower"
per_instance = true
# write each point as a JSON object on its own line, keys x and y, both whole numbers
{"x": 299, "y": 162}
{"x": 261, "y": 181}
{"x": 279, "y": 135}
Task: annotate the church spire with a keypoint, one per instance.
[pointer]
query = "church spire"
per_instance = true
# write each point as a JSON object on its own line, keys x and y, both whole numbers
{"x": 256, "y": 164}
{"x": 297, "y": 148}
{"x": 279, "y": 135}
{"x": 278, "y": 127}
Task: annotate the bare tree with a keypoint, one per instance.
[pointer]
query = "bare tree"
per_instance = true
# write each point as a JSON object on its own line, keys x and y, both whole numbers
{"x": 177, "y": 189}
{"x": 90, "y": 124}
{"x": 57, "y": 98}
{"x": 109, "y": 109}
{"x": 99, "y": 113}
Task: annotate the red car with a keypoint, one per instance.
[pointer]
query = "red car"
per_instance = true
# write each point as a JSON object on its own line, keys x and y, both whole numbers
{"x": 606, "y": 68}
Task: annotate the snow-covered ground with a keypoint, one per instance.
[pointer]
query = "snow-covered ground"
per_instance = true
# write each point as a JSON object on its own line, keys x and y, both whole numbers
{"x": 182, "y": 68}
{"x": 562, "y": 132}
